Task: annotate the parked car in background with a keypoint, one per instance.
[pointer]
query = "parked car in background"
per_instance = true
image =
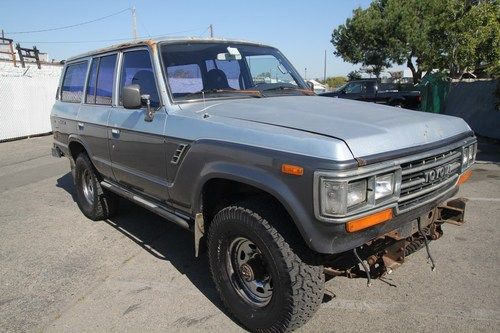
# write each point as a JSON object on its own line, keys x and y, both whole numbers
{"x": 278, "y": 185}
{"x": 316, "y": 86}
{"x": 375, "y": 91}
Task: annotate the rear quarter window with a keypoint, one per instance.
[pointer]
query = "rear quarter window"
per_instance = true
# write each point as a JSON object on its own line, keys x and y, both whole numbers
{"x": 73, "y": 82}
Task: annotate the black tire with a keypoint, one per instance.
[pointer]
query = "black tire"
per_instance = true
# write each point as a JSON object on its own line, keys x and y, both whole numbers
{"x": 297, "y": 279}
{"x": 97, "y": 204}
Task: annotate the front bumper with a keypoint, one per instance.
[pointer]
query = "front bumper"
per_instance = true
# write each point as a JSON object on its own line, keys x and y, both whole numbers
{"x": 387, "y": 252}
{"x": 335, "y": 239}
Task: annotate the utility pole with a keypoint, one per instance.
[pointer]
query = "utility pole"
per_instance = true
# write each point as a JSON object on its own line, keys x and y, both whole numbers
{"x": 211, "y": 29}
{"x": 324, "y": 70}
{"x": 134, "y": 23}
{"x": 305, "y": 73}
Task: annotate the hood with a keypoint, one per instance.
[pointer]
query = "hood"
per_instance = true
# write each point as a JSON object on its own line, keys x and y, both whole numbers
{"x": 366, "y": 128}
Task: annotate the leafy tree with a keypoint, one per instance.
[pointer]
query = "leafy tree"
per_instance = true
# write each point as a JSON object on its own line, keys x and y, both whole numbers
{"x": 362, "y": 39}
{"x": 450, "y": 35}
{"x": 472, "y": 38}
{"x": 335, "y": 81}
{"x": 354, "y": 75}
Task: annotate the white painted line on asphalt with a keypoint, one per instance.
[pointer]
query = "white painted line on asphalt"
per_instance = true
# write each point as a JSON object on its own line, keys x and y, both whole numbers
{"x": 485, "y": 199}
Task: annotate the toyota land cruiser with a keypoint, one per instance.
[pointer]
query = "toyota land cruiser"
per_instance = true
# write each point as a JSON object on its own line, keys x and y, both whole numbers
{"x": 281, "y": 187}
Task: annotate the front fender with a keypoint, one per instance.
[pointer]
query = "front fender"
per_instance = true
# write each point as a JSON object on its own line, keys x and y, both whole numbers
{"x": 257, "y": 167}
{"x": 255, "y": 177}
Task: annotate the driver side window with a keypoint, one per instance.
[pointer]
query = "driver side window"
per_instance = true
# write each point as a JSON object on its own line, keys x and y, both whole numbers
{"x": 354, "y": 88}
{"x": 137, "y": 69}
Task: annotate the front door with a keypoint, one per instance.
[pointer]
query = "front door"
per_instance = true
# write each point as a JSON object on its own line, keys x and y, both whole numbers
{"x": 137, "y": 147}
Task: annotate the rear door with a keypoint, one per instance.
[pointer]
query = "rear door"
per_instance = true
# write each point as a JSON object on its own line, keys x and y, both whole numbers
{"x": 137, "y": 147}
{"x": 94, "y": 112}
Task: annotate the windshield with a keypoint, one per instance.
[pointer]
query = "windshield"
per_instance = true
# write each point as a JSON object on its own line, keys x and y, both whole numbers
{"x": 228, "y": 70}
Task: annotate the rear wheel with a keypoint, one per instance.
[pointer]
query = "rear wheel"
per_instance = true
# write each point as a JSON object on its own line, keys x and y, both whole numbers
{"x": 265, "y": 275}
{"x": 95, "y": 202}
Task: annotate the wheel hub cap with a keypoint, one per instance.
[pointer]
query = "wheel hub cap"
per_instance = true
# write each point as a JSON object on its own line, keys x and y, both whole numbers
{"x": 248, "y": 272}
{"x": 88, "y": 187}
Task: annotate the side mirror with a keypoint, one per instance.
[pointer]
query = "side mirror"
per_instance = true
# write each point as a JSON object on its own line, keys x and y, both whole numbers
{"x": 311, "y": 85}
{"x": 132, "y": 99}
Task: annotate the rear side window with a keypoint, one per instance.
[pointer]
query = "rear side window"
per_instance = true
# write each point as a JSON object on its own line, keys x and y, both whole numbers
{"x": 105, "y": 77}
{"x": 184, "y": 79}
{"x": 100, "y": 84}
{"x": 74, "y": 79}
{"x": 137, "y": 69}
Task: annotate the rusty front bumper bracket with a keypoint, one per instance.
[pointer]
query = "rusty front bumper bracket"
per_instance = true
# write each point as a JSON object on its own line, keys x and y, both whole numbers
{"x": 387, "y": 252}
{"x": 453, "y": 211}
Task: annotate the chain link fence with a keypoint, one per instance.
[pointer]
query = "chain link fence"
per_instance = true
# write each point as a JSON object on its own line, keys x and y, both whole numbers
{"x": 26, "y": 99}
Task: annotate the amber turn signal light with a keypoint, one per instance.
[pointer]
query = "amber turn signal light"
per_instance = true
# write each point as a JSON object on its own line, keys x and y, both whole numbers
{"x": 292, "y": 169}
{"x": 368, "y": 221}
{"x": 464, "y": 177}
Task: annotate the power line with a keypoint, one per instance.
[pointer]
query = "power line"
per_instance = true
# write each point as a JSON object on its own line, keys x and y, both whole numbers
{"x": 70, "y": 26}
{"x": 107, "y": 40}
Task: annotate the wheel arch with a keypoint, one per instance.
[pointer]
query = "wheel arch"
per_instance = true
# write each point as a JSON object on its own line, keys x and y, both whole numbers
{"x": 236, "y": 183}
{"x": 77, "y": 146}
{"x": 397, "y": 101}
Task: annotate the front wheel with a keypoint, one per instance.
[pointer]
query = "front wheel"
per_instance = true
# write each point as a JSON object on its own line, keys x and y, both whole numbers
{"x": 266, "y": 279}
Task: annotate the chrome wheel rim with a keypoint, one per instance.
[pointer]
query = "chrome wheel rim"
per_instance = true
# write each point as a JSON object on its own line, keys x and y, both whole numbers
{"x": 88, "y": 186}
{"x": 248, "y": 272}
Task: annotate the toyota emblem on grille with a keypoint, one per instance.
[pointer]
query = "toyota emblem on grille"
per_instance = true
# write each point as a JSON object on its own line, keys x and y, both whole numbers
{"x": 438, "y": 173}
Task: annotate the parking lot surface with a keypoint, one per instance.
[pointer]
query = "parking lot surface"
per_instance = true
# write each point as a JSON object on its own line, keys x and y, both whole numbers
{"x": 60, "y": 271}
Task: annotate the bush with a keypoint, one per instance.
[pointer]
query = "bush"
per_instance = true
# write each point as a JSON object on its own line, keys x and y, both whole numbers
{"x": 335, "y": 81}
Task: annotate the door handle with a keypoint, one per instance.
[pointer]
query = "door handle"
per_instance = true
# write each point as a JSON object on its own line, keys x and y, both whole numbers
{"x": 81, "y": 126}
{"x": 115, "y": 131}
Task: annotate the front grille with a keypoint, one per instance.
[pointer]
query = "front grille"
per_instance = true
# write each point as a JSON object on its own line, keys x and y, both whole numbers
{"x": 427, "y": 178}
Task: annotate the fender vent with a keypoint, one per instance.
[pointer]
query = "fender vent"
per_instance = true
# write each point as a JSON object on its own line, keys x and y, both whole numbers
{"x": 178, "y": 154}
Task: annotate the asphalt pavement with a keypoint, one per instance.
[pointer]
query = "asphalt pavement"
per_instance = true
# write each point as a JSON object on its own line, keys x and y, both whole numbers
{"x": 60, "y": 272}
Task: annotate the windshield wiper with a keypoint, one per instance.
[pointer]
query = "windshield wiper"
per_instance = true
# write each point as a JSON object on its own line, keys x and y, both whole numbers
{"x": 251, "y": 93}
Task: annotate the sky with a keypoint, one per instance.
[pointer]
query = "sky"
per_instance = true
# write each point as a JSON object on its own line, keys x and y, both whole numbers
{"x": 300, "y": 29}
